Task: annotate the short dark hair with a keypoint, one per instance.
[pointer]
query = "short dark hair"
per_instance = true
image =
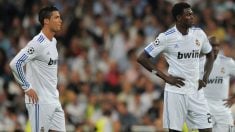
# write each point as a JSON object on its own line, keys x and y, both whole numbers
{"x": 45, "y": 13}
{"x": 213, "y": 40}
{"x": 178, "y": 9}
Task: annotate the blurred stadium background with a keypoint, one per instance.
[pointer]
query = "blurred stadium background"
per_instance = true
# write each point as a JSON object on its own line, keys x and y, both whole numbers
{"x": 99, "y": 79}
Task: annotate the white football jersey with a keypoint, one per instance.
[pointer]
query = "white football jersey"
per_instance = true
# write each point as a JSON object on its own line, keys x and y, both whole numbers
{"x": 41, "y": 57}
{"x": 182, "y": 54}
{"x": 217, "y": 87}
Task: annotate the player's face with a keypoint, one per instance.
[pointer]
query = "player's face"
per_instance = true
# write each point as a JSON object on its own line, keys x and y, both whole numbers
{"x": 187, "y": 17}
{"x": 216, "y": 47}
{"x": 55, "y": 22}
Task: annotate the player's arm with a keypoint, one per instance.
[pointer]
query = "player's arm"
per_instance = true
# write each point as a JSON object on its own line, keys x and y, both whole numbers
{"x": 231, "y": 100}
{"x": 207, "y": 69}
{"x": 17, "y": 66}
{"x": 144, "y": 60}
{"x": 153, "y": 50}
{"x": 208, "y": 52}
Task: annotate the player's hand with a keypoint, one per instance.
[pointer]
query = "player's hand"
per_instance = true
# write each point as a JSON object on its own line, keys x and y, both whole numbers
{"x": 33, "y": 97}
{"x": 229, "y": 102}
{"x": 176, "y": 81}
{"x": 201, "y": 84}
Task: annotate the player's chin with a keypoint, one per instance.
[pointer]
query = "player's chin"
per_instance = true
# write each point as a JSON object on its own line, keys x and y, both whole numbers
{"x": 190, "y": 25}
{"x": 58, "y": 29}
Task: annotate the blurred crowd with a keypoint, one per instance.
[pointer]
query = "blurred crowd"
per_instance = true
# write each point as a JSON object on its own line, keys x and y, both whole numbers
{"x": 99, "y": 78}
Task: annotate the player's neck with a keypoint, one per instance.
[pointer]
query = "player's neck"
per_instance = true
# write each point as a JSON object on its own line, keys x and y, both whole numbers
{"x": 48, "y": 33}
{"x": 182, "y": 29}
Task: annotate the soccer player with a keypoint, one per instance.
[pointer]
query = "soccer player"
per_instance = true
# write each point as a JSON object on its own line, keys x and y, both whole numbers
{"x": 217, "y": 89}
{"x": 39, "y": 81}
{"x": 181, "y": 46}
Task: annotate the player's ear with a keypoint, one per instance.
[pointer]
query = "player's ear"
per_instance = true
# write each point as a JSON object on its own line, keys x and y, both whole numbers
{"x": 46, "y": 21}
{"x": 178, "y": 17}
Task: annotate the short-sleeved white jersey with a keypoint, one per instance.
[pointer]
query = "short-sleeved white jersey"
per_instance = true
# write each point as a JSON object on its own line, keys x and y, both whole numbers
{"x": 182, "y": 54}
{"x": 217, "y": 87}
{"x": 41, "y": 57}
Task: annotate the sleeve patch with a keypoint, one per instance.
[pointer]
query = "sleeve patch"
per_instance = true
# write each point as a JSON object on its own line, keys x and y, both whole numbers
{"x": 156, "y": 42}
{"x": 30, "y": 50}
{"x": 149, "y": 48}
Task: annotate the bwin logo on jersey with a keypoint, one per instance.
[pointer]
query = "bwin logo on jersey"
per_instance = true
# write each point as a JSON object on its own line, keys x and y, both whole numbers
{"x": 193, "y": 54}
{"x": 52, "y": 62}
{"x": 217, "y": 80}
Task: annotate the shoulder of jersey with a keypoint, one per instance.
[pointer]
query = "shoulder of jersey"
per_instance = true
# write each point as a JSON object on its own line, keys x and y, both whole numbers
{"x": 225, "y": 58}
{"x": 54, "y": 39}
{"x": 196, "y": 29}
{"x": 40, "y": 39}
{"x": 170, "y": 31}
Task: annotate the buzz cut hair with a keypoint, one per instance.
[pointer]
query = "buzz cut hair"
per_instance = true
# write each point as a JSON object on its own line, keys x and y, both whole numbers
{"x": 45, "y": 13}
{"x": 178, "y": 9}
{"x": 213, "y": 40}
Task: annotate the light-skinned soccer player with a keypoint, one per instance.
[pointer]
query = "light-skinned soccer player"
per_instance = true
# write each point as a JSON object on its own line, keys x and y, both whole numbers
{"x": 39, "y": 81}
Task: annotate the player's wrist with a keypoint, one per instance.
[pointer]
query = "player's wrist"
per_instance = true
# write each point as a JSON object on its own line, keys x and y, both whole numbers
{"x": 26, "y": 90}
{"x": 204, "y": 80}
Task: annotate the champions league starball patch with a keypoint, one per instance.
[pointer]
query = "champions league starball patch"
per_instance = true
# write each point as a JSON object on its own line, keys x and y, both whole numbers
{"x": 156, "y": 42}
{"x": 30, "y": 50}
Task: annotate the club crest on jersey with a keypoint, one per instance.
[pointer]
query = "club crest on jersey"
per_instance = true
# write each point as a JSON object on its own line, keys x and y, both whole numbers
{"x": 197, "y": 42}
{"x": 222, "y": 70}
{"x": 156, "y": 42}
{"x": 30, "y": 50}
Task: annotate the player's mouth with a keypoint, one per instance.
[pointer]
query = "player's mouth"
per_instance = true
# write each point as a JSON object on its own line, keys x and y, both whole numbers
{"x": 191, "y": 22}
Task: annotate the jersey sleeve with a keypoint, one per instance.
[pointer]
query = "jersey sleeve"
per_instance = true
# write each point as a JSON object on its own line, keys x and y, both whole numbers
{"x": 25, "y": 55}
{"x": 157, "y": 46}
{"x": 232, "y": 67}
{"x": 206, "y": 46}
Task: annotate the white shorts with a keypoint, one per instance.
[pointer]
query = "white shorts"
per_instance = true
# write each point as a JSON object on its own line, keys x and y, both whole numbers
{"x": 189, "y": 108}
{"x": 221, "y": 116}
{"x": 218, "y": 127}
{"x": 46, "y": 117}
{"x": 220, "y": 113}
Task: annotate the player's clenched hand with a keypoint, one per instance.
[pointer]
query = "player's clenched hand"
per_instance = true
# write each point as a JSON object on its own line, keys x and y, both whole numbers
{"x": 201, "y": 84}
{"x": 229, "y": 102}
{"x": 32, "y": 96}
{"x": 177, "y": 81}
